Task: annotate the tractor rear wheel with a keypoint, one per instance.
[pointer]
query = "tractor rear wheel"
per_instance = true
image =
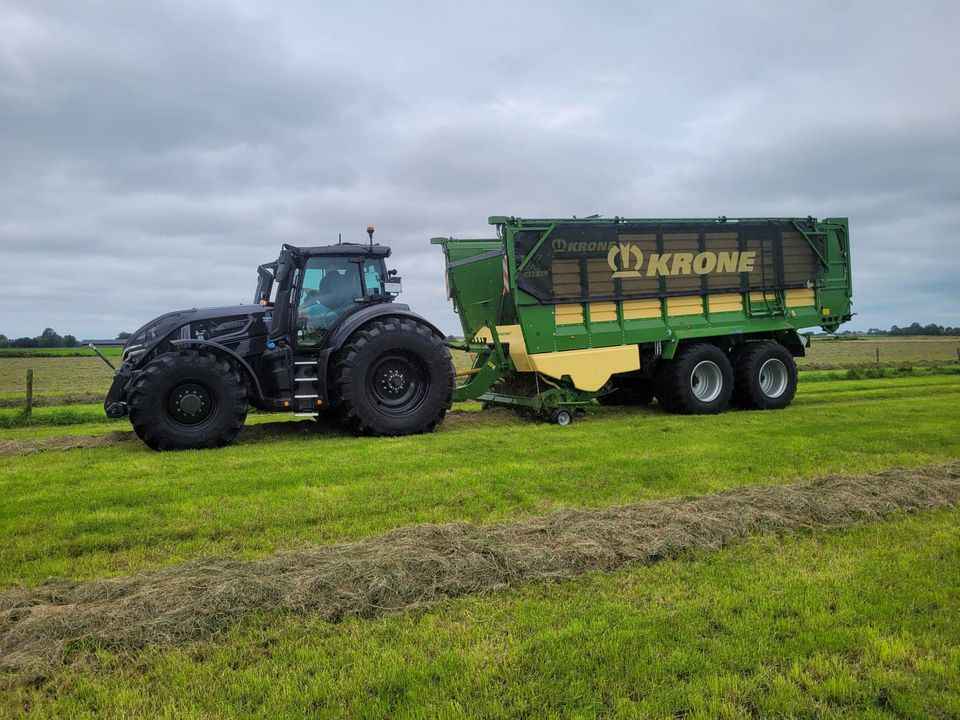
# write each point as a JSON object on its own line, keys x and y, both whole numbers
{"x": 393, "y": 377}
{"x": 765, "y": 376}
{"x": 698, "y": 381}
{"x": 187, "y": 399}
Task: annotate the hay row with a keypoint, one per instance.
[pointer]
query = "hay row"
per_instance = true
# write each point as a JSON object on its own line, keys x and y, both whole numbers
{"x": 418, "y": 565}
{"x": 65, "y": 442}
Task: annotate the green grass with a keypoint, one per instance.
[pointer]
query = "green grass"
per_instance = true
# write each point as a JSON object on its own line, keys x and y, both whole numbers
{"x": 112, "y": 510}
{"x": 863, "y": 623}
{"x": 56, "y": 415}
{"x": 76, "y": 376}
{"x": 832, "y": 353}
{"x": 54, "y": 376}
{"x": 61, "y": 410}
{"x": 861, "y": 373}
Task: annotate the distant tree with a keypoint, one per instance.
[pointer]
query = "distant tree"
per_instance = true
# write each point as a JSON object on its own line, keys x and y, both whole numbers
{"x": 124, "y": 336}
{"x": 23, "y": 342}
{"x": 49, "y": 339}
{"x": 69, "y": 341}
{"x": 3, "y": 341}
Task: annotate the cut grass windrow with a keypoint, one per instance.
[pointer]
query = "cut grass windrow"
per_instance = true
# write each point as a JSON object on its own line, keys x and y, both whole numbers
{"x": 42, "y": 627}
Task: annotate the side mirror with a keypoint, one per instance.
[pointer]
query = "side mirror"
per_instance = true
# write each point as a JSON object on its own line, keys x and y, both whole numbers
{"x": 391, "y": 285}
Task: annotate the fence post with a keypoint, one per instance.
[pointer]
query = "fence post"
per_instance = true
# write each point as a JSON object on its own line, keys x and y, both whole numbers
{"x": 28, "y": 406}
{"x": 878, "y": 356}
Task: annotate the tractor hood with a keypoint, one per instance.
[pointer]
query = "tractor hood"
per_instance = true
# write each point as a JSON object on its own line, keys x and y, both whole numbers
{"x": 237, "y": 330}
{"x": 214, "y": 323}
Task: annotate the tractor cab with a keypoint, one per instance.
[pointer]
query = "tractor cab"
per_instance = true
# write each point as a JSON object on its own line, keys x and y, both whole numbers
{"x": 320, "y": 286}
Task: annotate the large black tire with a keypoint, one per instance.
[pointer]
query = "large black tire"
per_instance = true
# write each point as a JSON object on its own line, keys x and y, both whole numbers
{"x": 765, "y": 376}
{"x": 698, "y": 381}
{"x": 187, "y": 400}
{"x": 393, "y": 377}
{"x": 629, "y": 391}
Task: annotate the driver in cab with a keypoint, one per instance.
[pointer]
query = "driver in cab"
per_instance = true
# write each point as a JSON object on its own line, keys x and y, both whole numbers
{"x": 334, "y": 292}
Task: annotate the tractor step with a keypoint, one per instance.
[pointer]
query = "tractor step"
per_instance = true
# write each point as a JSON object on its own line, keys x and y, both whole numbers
{"x": 306, "y": 414}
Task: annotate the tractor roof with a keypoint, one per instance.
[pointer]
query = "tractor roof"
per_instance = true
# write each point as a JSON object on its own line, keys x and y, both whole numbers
{"x": 343, "y": 250}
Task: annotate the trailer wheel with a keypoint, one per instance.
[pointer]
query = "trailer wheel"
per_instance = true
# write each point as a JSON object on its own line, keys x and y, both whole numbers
{"x": 629, "y": 391}
{"x": 561, "y": 417}
{"x": 765, "y": 376}
{"x": 393, "y": 377}
{"x": 698, "y": 381}
{"x": 186, "y": 400}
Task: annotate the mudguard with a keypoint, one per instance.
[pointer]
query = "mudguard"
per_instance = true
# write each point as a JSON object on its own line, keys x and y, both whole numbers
{"x": 349, "y": 324}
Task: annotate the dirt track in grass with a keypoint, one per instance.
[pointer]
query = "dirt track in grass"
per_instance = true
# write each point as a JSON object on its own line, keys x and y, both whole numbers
{"x": 43, "y": 627}
{"x": 65, "y": 442}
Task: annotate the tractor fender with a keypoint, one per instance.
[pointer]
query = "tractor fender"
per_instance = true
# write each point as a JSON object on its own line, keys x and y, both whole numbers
{"x": 218, "y": 348}
{"x": 354, "y": 321}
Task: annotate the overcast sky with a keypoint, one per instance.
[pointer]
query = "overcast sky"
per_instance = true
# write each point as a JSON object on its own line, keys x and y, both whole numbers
{"x": 153, "y": 153}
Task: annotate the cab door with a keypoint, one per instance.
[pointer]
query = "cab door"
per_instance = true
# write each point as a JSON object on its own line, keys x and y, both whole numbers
{"x": 329, "y": 287}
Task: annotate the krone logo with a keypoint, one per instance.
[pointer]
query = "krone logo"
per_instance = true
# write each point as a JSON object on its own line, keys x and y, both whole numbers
{"x": 624, "y": 251}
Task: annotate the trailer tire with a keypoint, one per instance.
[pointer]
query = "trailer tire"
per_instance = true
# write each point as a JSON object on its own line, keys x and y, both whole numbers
{"x": 698, "y": 381}
{"x": 765, "y": 376}
{"x": 187, "y": 400}
{"x": 629, "y": 391}
{"x": 392, "y": 377}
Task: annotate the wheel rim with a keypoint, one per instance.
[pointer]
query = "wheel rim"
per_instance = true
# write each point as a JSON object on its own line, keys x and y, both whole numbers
{"x": 190, "y": 404}
{"x": 706, "y": 381}
{"x": 398, "y": 383}
{"x": 773, "y": 378}
{"x": 563, "y": 418}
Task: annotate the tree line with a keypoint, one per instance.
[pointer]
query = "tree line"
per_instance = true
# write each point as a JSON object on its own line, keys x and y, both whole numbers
{"x": 49, "y": 338}
{"x": 916, "y": 329}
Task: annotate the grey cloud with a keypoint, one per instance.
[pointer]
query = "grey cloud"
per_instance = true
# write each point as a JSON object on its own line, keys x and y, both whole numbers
{"x": 154, "y": 153}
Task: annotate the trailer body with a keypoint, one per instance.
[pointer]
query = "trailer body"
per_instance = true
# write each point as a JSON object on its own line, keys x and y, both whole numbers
{"x": 579, "y": 302}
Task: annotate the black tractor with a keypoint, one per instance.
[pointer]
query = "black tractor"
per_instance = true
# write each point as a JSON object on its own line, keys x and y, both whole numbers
{"x": 323, "y": 335}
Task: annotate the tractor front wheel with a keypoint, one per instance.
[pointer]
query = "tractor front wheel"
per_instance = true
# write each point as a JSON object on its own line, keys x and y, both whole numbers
{"x": 187, "y": 400}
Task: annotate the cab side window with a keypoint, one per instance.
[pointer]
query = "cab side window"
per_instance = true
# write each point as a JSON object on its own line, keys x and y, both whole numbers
{"x": 371, "y": 277}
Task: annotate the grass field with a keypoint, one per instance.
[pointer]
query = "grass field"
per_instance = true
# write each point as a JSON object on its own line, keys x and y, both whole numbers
{"x": 836, "y": 353}
{"x": 59, "y": 379}
{"x": 860, "y": 622}
{"x": 86, "y": 379}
